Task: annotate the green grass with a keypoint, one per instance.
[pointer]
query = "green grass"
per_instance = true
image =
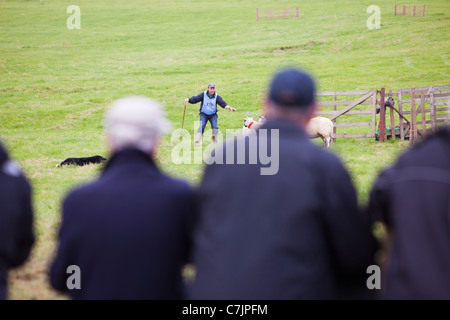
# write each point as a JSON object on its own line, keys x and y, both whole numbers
{"x": 56, "y": 83}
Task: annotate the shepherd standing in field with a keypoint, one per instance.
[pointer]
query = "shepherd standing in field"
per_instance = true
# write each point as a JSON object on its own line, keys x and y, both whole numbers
{"x": 208, "y": 110}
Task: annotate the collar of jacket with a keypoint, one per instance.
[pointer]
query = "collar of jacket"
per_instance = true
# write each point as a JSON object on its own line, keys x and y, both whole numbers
{"x": 129, "y": 156}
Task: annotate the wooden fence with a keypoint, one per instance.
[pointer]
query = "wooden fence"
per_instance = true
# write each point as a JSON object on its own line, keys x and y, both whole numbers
{"x": 277, "y": 13}
{"x": 345, "y": 106}
{"x": 416, "y": 112}
{"x": 409, "y": 10}
{"x": 420, "y": 111}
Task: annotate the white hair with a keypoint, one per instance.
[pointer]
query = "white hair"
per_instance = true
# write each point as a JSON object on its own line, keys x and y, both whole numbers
{"x": 135, "y": 122}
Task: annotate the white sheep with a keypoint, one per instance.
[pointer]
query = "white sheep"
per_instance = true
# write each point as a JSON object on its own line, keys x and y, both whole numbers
{"x": 320, "y": 127}
{"x": 250, "y": 124}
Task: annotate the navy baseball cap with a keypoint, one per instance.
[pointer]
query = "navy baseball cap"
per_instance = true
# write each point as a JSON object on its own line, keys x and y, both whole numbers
{"x": 212, "y": 84}
{"x": 292, "y": 87}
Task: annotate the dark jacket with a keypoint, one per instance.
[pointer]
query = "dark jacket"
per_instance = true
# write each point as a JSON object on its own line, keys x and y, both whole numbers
{"x": 127, "y": 232}
{"x": 412, "y": 198}
{"x": 295, "y": 234}
{"x": 199, "y": 98}
{"x": 16, "y": 218}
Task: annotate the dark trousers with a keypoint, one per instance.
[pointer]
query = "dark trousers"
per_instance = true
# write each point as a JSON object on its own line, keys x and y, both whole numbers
{"x": 204, "y": 118}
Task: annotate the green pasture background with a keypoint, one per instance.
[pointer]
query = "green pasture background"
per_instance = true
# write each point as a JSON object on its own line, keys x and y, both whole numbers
{"x": 56, "y": 83}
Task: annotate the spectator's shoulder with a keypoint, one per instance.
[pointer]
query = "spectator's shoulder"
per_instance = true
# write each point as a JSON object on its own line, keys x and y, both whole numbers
{"x": 178, "y": 185}
{"x": 328, "y": 159}
{"x": 431, "y": 151}
{"x": 79, "y": 192}
{"x": 12, "y": 169}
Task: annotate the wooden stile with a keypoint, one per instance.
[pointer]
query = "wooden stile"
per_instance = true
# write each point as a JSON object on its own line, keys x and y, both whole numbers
{"x": 416, "y": 10}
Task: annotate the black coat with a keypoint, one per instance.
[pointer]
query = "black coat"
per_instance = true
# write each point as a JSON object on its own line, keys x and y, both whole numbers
{"x": 292, "y": 233}
{"x": 16, "y": 219}
{"x": 127, "y": 232}
{"x": 412, "y": 198}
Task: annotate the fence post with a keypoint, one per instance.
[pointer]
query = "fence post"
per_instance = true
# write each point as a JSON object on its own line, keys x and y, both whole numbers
{"x": 256, "y": 14}
{"x": 391, "y": 114}
{"x": 395, "y": 10}
{"x": 382, "y": 126}
{"x": 413, "y": 127}
{"x": 414, "y": 11}
{"x": 402, "y": 129}
{"x": 424, "y": 115}
{"x": 298, "y": 12}
{"x": 374, "y": 113}
{"x": 334, "y": 121}
{"x": 432, "y": 110}
{"x": 404, "y": 10}
{"x": 423, "y": 11}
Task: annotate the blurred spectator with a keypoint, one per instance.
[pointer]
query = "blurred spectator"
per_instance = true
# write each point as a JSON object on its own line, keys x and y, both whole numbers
{"x": 412, "y": 201}
{"x": 16, "y": 219}
{"x": 291, "y": 231}
{"x": 127, "y": 232}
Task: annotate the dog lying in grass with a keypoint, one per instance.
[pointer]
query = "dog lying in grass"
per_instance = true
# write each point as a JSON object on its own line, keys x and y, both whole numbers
{"x": 82, "y": 161}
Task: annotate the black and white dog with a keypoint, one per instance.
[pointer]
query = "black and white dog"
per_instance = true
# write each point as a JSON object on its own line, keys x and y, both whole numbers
{"x": 82, "y": 161}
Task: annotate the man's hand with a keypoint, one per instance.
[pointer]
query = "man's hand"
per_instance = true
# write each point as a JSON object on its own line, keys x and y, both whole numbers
{"x": 232, "y": 109}
{"x": 186, "y": 101}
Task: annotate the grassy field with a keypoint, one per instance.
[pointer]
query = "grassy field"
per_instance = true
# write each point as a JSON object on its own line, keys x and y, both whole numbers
{"x": 56, "y": 83}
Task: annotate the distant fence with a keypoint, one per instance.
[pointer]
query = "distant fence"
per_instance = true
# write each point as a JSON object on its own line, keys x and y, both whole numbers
{"x": 277, "y": 13}
{"x": 409, "y": 10}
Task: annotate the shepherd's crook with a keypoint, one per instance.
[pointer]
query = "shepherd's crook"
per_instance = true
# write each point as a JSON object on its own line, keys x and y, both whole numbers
{"x": 182, "y": 125}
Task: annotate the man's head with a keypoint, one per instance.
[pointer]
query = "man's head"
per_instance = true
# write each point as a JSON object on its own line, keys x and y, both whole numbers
{"x": 211, "y": 88}
{"x": 135, "y": 122}
{"x": 291, "y": 95}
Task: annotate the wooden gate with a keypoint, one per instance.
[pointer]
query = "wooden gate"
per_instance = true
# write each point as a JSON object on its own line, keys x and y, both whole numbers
{"x": 343, "y": 106}
{"x": 420, "y": 112}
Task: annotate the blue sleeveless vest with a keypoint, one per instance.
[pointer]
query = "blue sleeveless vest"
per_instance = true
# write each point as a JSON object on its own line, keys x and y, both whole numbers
{"x": 209, "y": 104}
